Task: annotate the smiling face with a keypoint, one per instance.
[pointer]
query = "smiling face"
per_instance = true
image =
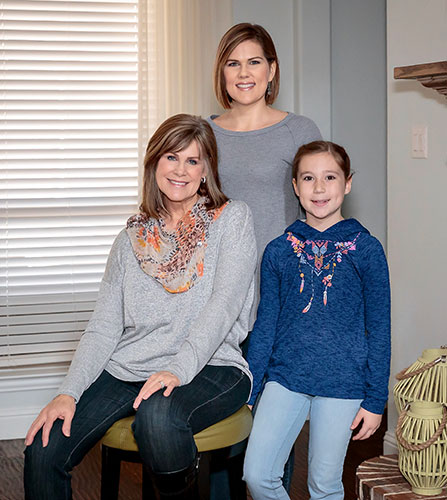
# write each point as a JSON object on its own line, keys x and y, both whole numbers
{"x": 178, "y": 176}
{"x": 321, "y": 187}
{"x": 247, "y": 73}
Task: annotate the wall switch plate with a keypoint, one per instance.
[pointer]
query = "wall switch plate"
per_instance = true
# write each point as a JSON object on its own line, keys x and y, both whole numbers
{"x": 419, "y": 147}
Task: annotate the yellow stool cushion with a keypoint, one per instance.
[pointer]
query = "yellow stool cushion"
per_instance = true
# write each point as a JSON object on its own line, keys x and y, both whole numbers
{"x": 229, "y": 431}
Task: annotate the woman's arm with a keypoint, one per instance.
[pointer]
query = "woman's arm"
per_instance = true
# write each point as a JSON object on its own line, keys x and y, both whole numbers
{"x": 236, "y": 263}
{"x": 94, "y": 350}
{"x": 104, "y": 329}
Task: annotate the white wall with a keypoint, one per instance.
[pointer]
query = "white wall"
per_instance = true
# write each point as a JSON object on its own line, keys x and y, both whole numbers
{"x": 23, "y": 393}
{"x": 417, "y": 188}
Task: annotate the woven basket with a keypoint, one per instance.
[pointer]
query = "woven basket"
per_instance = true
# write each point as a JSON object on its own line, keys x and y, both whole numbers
{"x": 422, "y": 441}
{"x": 424, "y": 380}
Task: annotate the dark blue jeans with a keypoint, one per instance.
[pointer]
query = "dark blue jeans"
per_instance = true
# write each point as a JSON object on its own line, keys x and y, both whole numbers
{"x": 164, "y": 426}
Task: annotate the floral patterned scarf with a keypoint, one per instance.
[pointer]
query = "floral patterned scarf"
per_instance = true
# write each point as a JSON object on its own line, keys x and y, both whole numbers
{"x": 173, "y": 257}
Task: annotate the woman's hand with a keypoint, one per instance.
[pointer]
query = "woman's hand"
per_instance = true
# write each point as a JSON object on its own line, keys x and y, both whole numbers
{"x": 63, "y": 407}
{"x": 371, "y": 422}
{"x": 160, "y": 380}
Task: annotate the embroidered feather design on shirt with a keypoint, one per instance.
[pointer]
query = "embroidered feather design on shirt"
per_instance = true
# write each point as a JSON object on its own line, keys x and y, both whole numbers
{"x": 314, "y": 256}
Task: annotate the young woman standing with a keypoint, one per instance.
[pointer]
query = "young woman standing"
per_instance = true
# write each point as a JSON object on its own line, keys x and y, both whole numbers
{"x": 256, "y": 142}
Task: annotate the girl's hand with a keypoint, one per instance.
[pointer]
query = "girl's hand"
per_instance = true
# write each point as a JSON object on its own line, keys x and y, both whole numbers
{"x": 63, "y": 407}
{"x": 250, "y": 407}
{"x": 160, "y": 380}
{"x": 371, "y": 422}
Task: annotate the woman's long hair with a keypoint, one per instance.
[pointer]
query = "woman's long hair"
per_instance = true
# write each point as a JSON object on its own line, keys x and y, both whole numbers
{"x": 173, "y": 135}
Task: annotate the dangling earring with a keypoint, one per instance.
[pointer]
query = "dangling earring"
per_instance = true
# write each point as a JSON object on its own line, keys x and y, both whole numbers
{"x": 269, "y": 88}
{"x": 203, "y": 180}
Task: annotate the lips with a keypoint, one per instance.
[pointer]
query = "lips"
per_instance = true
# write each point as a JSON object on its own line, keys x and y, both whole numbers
{"x": 320, "y": 203}
{"x": 245, "y": 86}
{"x": 177, "y": 183}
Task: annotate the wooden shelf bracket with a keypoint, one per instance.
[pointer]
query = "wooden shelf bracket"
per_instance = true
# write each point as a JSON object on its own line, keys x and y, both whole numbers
{"x": 431, "y": 75}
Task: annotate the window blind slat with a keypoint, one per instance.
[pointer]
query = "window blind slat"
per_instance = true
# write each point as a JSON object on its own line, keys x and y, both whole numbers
{"x": 47, "y": 301}
{"x": 69, "y": 165}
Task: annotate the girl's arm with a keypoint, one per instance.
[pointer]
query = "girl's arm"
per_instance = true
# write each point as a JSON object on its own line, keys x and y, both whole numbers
{"x": 376, "y": 290}
{"x": 104, "y": 329}
{"x": 236, "y": 263}
{"x": 263, "y": 335}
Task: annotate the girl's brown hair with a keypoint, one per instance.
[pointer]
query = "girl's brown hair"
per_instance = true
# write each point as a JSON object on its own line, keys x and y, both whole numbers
{"x": 312, "y": 148}
{"x": 173, "y": 135}
{"x": 233, "y": 37}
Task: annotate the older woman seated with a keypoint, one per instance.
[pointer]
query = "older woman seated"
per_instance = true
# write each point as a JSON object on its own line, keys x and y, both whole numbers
{"x": 163, "y": 341}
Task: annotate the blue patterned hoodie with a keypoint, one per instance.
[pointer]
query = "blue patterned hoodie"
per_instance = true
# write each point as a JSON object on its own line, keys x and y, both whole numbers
{"x": 323, "y": 322}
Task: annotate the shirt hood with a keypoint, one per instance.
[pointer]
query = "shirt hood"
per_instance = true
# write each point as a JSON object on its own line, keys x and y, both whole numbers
{"x": 342, "y": 231}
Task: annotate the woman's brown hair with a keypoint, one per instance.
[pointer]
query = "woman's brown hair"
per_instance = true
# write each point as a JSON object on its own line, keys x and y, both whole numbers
{"x": 173, "y": 135}
{"x": 339, "y": 154}
{"x": 232, "y": 38}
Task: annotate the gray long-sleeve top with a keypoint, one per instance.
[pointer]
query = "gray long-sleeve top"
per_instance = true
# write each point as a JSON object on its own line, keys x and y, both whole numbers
{"x": 138, "y": 328}
{"x": 256, "y": 166}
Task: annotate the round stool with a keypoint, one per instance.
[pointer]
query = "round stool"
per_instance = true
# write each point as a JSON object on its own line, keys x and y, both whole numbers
{"x": 118, "y": 444}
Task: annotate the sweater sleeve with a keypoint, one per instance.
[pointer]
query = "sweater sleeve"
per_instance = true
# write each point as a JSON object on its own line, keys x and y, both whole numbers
{"x": 104, "y": 329}
{"x": 304, "y": 130}
{"x": 376, "y": 289}
{"x": 236, "y": 263}
{"x": 263, "y": 335}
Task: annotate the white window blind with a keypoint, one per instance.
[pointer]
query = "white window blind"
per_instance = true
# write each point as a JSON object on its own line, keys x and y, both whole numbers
{"x": 69, "y": 165}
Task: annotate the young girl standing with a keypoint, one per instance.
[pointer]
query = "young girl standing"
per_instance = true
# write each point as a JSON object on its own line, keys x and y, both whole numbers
{"x": 321, "y": 341}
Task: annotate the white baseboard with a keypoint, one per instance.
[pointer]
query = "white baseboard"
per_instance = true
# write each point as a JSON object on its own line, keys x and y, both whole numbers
{"x": 23, "y": 393}
{"x": 389, "y": 443}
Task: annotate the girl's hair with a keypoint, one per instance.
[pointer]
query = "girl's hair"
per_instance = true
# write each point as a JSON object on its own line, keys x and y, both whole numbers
{"x": 232, "y": 38}
{"x": 312, "y": 148}
{"x": 173, "y": 135}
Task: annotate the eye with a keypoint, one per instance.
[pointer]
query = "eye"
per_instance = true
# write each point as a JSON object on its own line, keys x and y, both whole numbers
{"x": 255, "y": 61}
{"x": 193, "y": 162}
{"x": 331, "y": 177}
{"x": 171, "y": 157}
{"x": 307, "y": 178}
{"x": 232, "y": 64}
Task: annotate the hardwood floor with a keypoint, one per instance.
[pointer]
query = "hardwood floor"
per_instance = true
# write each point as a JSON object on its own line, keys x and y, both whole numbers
{"x": 86, "y": 477}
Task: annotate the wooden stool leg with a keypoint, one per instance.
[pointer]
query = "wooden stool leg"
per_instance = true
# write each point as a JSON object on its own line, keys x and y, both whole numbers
{"x": 203, "y": 478}
{"x": 238, "y": 488}
{"x": 110, "y": 473}
{"x": 148, "y": 485}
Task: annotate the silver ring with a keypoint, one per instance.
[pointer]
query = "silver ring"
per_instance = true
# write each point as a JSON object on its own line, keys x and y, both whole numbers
{"x": 162, "y": 384}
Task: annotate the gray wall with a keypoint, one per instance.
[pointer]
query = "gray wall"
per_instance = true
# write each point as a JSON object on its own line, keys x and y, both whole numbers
{"x": 358, "y": 104}
{"x": 277, "y": 18}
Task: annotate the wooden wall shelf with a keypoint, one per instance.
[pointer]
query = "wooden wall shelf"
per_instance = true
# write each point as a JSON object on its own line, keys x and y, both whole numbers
{"x": 431, "y": 75}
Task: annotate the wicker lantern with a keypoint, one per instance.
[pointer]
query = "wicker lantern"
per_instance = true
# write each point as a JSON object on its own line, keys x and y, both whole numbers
{"x": 422, "y": 441}
{"x": 424, "y": 380}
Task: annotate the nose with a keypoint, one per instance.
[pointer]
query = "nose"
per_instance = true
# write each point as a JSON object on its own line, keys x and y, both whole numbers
{"x": 319, "y": 186}
{"x": 243, "y": 70}
{"x": 180, "y": 168}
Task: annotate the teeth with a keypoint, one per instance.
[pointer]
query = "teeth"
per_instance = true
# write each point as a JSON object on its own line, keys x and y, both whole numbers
{"x": 178, "y": 183}
{"x": 245, "y": 85}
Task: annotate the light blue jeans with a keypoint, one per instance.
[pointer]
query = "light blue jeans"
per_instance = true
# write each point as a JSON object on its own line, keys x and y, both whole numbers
{"x": 279, "y": 419}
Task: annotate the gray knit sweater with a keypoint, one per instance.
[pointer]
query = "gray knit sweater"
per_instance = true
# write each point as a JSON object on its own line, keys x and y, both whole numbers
{"x": 256, "y": 167}
{"x": 138, "y": 328}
